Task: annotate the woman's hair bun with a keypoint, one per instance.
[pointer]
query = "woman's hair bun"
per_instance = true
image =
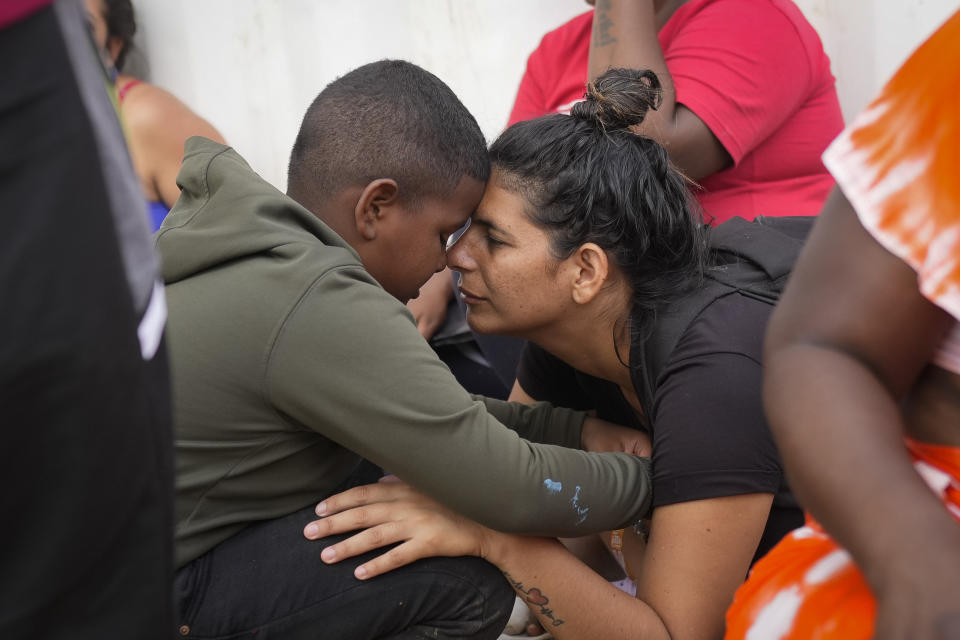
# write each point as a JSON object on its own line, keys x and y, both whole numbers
{"x": 620, "y": 98}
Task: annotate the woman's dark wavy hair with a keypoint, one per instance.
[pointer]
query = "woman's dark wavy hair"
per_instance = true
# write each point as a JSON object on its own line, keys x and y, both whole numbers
{"x": 121, "y": 22}
{"x": 589, "y": 178}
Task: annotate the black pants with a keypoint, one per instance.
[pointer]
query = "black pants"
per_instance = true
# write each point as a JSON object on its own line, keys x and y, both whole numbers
{"x": 268, "y": 582}
{"x": 85, "y": 459}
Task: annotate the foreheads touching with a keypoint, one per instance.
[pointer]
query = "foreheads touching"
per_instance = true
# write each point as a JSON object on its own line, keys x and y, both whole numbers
{"x": 390, "y": 159}
{"x": 589, "y": 179}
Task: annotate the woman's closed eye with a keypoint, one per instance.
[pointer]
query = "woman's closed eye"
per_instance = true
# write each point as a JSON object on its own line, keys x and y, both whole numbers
{"x": 494, "y": 242}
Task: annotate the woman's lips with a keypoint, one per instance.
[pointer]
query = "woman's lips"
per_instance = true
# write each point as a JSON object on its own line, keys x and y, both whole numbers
{"x": 469, "y": 297}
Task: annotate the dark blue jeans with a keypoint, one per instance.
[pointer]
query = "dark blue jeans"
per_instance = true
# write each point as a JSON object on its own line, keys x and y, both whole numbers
{"x": 268, "y": 582}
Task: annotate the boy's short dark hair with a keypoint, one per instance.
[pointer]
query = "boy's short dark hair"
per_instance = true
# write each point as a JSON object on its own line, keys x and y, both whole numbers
{"x": 387, "y": 119}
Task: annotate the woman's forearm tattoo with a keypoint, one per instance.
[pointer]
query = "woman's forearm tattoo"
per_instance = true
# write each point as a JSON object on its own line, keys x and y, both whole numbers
{"x": 602, "y": 23}
{"x": 535, "y": 598}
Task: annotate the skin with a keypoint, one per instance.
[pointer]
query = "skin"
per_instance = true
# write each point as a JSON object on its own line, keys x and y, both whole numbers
{"x": 510, "y": 280}
{"x": 847, "y": 376}
{"x": 429, "y": 308}
{"x": 698, "y": 552}
{"x": 156, "y": 123}
{"x": 625, "y": 35}
{"x": 402, "y": 241}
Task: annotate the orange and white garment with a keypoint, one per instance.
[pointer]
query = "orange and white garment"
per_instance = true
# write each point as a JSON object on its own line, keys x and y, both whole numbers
{"x": 808, "y": 587}
{"x": 899, "y": 166}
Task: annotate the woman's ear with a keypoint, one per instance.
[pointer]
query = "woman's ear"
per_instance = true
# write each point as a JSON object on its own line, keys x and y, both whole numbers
{"x": 591, "y": 269}
{"x": 374, "y": 203}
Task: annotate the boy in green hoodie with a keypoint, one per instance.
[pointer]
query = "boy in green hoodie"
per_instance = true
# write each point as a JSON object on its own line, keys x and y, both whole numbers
{"x": 294, "y": 361}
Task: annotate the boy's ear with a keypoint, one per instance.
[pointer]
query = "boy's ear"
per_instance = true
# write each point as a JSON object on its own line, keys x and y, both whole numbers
{"x": 374, "y": 204}
{"x": 591, "y": 269}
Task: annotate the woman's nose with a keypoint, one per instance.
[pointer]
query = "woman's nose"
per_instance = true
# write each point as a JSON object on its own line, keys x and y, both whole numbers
{"x": 458, "y": 255}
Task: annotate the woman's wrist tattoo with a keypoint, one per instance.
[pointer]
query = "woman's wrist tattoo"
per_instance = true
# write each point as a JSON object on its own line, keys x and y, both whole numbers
{"x": 536, "y": 598}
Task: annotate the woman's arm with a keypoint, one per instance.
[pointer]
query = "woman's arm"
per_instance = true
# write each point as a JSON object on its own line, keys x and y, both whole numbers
{"x": 849, "y": 338}
{"x": 698, "y": 554}
{"x": 625, "y": 35}
{"x": 429, "y": 308}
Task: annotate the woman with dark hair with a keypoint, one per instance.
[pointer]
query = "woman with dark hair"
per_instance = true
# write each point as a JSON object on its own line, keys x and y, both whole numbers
{"x": 156, "y": 123}
{"x": 586, "y": 244}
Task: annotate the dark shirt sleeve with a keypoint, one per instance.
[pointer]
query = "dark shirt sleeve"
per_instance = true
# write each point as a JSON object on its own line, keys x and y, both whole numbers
{"x": 710, "y": 436}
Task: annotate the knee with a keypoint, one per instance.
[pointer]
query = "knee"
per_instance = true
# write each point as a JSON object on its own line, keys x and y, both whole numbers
{"x": 498, "y": 594}
{"x": 475, "y": 593}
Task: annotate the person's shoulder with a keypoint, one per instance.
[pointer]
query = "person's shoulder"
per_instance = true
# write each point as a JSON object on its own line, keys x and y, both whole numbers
{"x": 733, "y": 324}
{"x": 143, "y": 101}
{"x": 335, "y": 271}
{"x": 798, "y": 20}
{"x": 773, "y": 36}
{"x": 738, "y": 308}
{"x": 569, "y": 33}
{"x": 149, "y": 108}
{"x": 742, "y": 13}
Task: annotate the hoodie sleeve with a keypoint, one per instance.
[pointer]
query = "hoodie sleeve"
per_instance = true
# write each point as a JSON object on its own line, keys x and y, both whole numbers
{"x": 538, "y": 422}
{"x": 349, "y": 363}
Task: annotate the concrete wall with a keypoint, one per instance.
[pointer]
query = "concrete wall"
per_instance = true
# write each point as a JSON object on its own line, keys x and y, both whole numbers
{"x": 252, "y": 66}
{"x": 867, "y": 40}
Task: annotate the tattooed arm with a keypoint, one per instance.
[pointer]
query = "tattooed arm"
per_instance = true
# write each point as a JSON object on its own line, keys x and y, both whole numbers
{"x": 570, "y": 599}
{"x": 625, "y": 35}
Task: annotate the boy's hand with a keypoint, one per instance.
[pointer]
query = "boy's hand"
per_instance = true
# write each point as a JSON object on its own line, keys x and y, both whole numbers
{"x": 389, "y": 512}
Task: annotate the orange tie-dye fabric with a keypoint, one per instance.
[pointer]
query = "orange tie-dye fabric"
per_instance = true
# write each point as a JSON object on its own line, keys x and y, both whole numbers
{"x": 808, "y": 587}
{"x": 899, "y": 165}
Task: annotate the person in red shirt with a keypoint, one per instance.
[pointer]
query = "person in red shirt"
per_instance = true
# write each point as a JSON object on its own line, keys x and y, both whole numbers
{"x": 749, "y": 103}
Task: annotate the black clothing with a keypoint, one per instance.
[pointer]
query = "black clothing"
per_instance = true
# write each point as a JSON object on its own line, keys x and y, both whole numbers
{"x": 86, "y": 461}
{"x": 709, "y": 434}
{"x": 236, "y": 590}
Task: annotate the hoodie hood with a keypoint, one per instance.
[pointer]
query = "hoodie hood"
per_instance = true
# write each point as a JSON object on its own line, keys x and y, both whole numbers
{"x": 226, "y": 212}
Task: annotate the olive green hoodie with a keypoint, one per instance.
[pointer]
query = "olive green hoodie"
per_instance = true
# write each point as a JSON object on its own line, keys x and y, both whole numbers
{"x": 289, "y": 362}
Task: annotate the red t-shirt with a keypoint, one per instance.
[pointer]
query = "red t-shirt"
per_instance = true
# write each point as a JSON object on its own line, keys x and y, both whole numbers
{"x": 753, "y": 70}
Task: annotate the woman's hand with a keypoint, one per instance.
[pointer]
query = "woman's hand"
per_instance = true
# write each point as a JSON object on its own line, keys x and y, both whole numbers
{"x": 429, "y": 309}
{"x": 602, "y": 436}
{"x": 389, "y": 512}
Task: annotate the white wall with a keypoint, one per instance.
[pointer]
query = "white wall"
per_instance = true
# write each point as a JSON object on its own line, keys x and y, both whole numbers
{"x": 252, "y": 67}
{"x": 867, "y": 40}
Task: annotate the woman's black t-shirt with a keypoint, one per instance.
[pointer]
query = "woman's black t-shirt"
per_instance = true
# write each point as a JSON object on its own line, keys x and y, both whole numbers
{"x": 709, "y": 434}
